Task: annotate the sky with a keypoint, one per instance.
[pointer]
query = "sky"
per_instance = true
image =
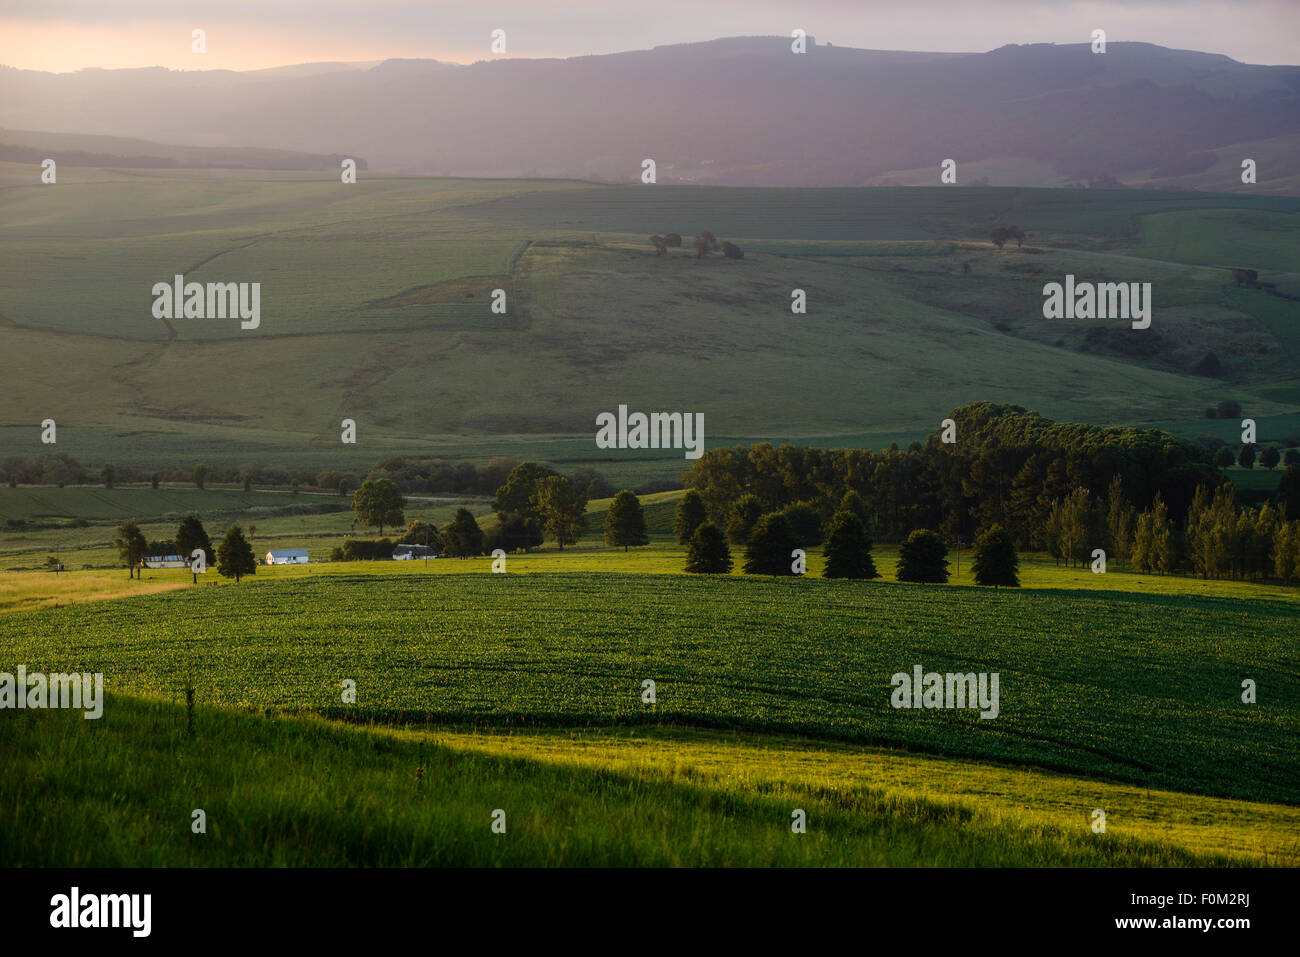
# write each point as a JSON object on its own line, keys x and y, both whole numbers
{"x": 66, "y": 35}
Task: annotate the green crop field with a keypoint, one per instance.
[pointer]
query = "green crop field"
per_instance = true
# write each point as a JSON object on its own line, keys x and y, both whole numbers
{"x": 523, "y": 693}
{"x": 1084, "y": 675}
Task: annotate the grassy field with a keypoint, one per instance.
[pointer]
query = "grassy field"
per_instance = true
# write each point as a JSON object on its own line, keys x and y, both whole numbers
{"x": 367, "y": 290}
{"x": 122, "y": 794}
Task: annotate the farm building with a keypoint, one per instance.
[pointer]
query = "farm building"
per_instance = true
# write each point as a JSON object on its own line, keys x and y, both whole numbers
{"x": 287, "y": 556}
{"x": 165, "y": 561}
{"x": 407, "y": 552}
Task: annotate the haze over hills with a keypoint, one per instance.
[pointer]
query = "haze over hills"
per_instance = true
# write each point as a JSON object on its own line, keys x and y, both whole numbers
{"x": 738, "y": 111}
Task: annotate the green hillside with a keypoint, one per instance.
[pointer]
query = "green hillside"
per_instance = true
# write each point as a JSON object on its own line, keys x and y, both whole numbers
{"x": 375, "y": 305}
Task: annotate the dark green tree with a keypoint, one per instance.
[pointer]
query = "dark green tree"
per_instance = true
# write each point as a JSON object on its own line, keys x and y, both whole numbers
{"x": 848, "y": 548}
{"x": 562, "y": 511}
{"x": 108, "y": 475}
{"x": 625, "y": 521}
{"x": 235, "y": 556}
{"x": 1269, "y": 456}
{"x": 131, "y": 546}
{"x": 190, "y": 534}
{"x": 1224, "y": 457}
{"x": 852, "y": 502}
{"x": 200, "y": 475}
{"x": 514, "y": 531}
{"x": 691, "y": 514}
{"x": 770, "y": 548}
{"x": 422, "y": 533}
{"x": 1246, "y": 457}
{"x": 379, "y": 502}
{"x": 463, "y": 537}
{"x": 995, "y": 558}
{"x": 707, "y": 552}
{"x": 922, "y": 558}
{"x": 516, "y": 495}
{"x": 744, "y": 515}
{"x": 1288, "y": 491}
{"x": 805, "y": 524}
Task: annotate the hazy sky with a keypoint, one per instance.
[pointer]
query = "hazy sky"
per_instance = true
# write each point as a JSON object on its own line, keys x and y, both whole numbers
{"x": 63, "y": 35}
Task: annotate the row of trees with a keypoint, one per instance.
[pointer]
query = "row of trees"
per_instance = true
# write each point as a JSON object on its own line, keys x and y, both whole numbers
{"x": 233, "y": 558}
{"x": 772, "y": 543}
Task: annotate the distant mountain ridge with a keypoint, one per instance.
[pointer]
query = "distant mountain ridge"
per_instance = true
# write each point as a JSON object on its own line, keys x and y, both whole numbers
{"x": 734, "y": 111}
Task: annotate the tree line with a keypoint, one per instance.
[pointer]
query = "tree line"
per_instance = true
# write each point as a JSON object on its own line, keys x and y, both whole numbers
{"x": 1063, "y": 488}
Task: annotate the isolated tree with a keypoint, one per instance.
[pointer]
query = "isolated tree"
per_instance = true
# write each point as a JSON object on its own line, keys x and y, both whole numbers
{"x": 707, "y": 552}
{"x": 1269, "y": 457}
{"x": 379, "y": 502}
{"x": 691, "y": 514}
{"x": 108, "y": 475}
{"x": 153, "y": 481}
{"x": 235, "y": 556}
{"x": 520, "y": 486}
{"x": 561, "y": 510}
{"x": 770, "y": 548}
{"x": 745, "y": 513}
{"x": 190, "y": 534}
{"x": 995, "y": 558}
{"x": 131, "y": 546}
{"x": 1246, "y": 457}
{"x": 200, "y": 475}
{"x": 805, "y": 523}
{"x": 463, "y": 538}
{"x": 625, "y": 521}
{"x": 922, "y": 558}
{"x": 848, "y": 548}
{"x": 661, "y": 247}
{"x": 248, "y": 482}
{"x": 1016, "y": 233}
{"x": 999, "y": 236}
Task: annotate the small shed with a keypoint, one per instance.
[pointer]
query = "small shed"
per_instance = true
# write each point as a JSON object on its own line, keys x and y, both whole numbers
{"x": 287, "y": 556}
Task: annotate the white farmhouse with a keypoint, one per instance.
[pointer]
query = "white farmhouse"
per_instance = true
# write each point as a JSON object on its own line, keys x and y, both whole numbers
{"x": 287, "y": 556}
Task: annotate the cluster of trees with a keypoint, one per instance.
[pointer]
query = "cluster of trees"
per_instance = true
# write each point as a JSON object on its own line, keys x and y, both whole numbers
{"x": 233, "y": 558}
{"x": 704, "y": 243}
{"x": 1007, "y": 467}
{"x": 1001, "y": 235}
{"x": 1066, "y": 489}
{"x": 533, "y": 503}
